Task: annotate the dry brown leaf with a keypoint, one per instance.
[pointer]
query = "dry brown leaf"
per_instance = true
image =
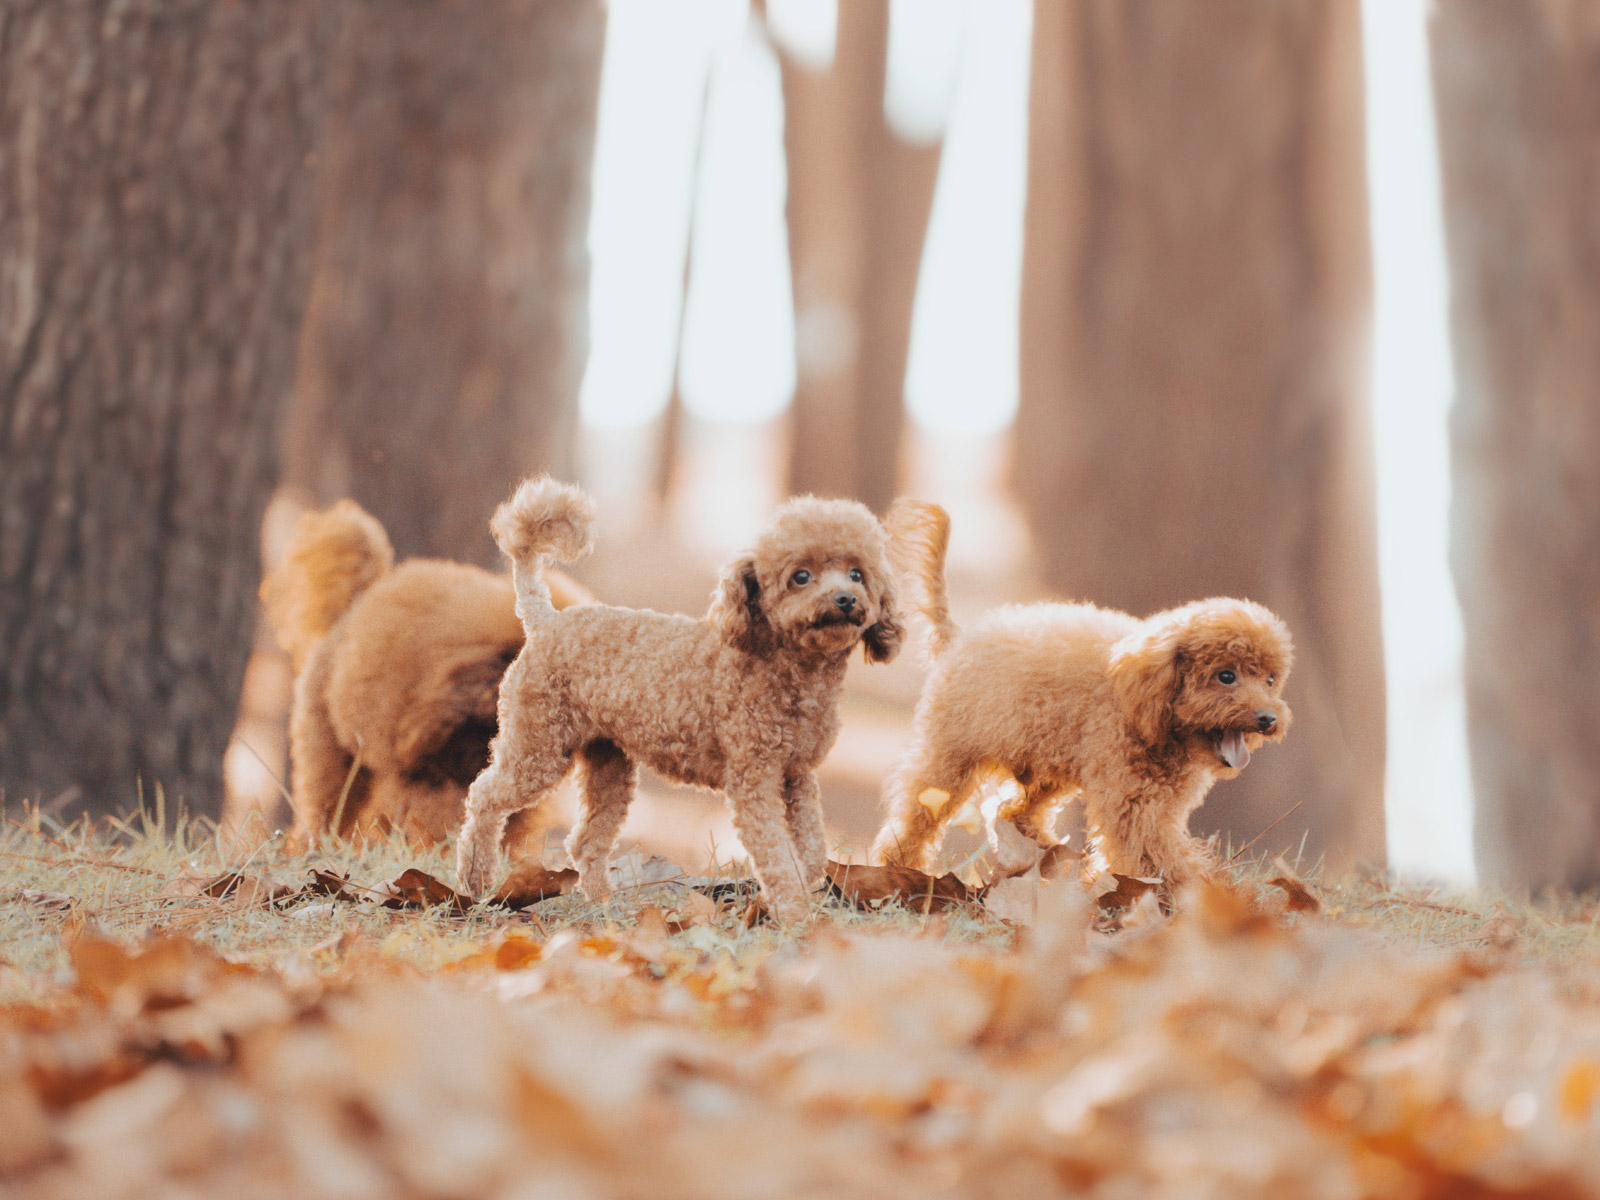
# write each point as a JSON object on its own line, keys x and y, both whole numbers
{"x": 513, "y": 951}
{"x": 50, "y": 901}
{"x": 1501, "y": 930}
{"x": 531, "y": 882}
{"x": 694, "y": 909}
{"x": 332, "y": 884}
{"x": 866, "y": 886}
{"x": 1127, "y": 892}
{"x": 165, "y": 971}
{"x": 417, "y": 889}
{"x": 247, "y": 891}
{"x": 1300, "y": 897}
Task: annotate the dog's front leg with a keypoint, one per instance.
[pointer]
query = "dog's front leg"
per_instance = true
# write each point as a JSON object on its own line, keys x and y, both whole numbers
{"x": 760, "y": 819}
{"x": 803, "y": 805}
{"x": 1146, "y": 834}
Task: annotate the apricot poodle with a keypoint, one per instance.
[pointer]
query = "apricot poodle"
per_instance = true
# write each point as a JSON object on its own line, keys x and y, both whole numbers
{"x": 1140, "y": 717}
{"x": 744, "y": 700}
{"x": 397, "y": 671}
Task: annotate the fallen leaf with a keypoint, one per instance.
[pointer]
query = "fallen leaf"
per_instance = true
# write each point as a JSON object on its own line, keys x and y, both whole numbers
{"x": 1015, "y": 853}
{"x": 730, "y": 890}
{"x": 328, "y": 883}
{"x": 1014, "y": 900}
{"x": 862, "y": 886}
{"x": 417, "y": 889}
{"x": 1501, "y": 930}
{"x": 247, "y": 891}
{"x": 1580, "y": 1085}
{"x": 163, "y": 972}
{"x": 513, "y": 951}
{"x": 694, "y": 909}
{"x": 1300, "y": 897}
{"x": 531, "y": 882}
{"x": 1127, "y": 892}
{"x": 50, "y": 901}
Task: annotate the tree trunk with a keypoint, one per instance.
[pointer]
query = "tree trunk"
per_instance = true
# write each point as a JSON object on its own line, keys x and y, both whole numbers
{"x": 1519, "y": 132}
{"x": 858, "y": 205}
{"x": 1196, "y": 290}
{"x": 446, "y": 333}
{"x": 155, "y": 224}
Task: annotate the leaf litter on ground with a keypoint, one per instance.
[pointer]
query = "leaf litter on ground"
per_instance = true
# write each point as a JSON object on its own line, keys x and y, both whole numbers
{"x": 184, "y": 1027}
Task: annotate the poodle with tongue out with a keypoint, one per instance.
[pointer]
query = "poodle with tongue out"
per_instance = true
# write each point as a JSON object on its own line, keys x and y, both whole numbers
{"x": 1138, "y": 717}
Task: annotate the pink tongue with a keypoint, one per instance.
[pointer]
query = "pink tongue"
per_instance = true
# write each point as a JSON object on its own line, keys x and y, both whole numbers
{"x": 1234, "y": 752}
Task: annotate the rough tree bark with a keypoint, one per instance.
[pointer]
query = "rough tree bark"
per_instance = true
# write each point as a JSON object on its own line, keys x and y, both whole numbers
{"x": 1519, "y": 130}
{"x": 858, "y": 205}
{"x": 155, "y": 219}
{"x": 1196, "y": 292}
{"x": 447, "y": 327}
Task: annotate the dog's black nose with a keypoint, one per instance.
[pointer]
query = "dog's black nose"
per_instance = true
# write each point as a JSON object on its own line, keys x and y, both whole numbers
{"x": 845, "y": 601}
{"x": 1266, "y": 722}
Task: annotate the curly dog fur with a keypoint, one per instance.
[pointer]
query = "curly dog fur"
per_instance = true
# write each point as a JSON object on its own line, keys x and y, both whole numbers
{"x": 744, "y": 700}
{"x": 1139, "y": 716}
{"x": 397, "y": 669}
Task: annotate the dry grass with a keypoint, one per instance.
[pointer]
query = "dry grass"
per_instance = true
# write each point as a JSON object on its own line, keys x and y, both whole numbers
{"x": 131, "y": 879}
{"x": 134, "y": 879}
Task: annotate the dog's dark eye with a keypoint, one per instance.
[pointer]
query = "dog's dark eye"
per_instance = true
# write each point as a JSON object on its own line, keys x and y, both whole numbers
{"x": 1227, "y": 677}
{"x": 801, "y": 578}
{"x": 1271, "y": 679}
{"x": 855, "y": 575}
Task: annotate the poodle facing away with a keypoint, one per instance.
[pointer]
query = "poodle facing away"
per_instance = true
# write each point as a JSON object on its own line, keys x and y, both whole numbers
{"x": 744, "y": 700}
{"x": 396, "y": 675}
{"x": 1140, "y": 717}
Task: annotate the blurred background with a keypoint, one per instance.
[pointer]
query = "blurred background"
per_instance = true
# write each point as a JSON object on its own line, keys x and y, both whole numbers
{"x": 1160, "y": 299}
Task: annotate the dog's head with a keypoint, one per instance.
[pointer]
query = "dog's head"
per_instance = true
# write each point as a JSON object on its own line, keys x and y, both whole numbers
{"x": 818, "y": 581}
{"x": 1210, "y": 674}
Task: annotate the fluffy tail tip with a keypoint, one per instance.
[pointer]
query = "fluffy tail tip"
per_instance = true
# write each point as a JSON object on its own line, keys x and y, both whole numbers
{"x": 545, "y": 516}
{"x": 333, "y": 556}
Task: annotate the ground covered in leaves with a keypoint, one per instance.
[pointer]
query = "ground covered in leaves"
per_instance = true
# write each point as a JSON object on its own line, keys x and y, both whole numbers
{"x": 182, "y": 1016}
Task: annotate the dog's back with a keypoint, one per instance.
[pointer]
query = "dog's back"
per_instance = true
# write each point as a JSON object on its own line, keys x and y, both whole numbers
{"x": 661, "y": 686}
{"x": 1024, "y": 680}
{"x": 418, "y": 661}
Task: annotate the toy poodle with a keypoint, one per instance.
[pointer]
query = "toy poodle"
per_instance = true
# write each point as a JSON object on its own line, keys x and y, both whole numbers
{"x": 396, "y": 674}
{"x": 744, "y": 700}
{"x": 1140, "y": 717}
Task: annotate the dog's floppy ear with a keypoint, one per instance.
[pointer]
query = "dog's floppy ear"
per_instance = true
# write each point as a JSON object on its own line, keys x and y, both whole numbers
{"x": 881, "y": 640}
{"x": 1145, "y": 675}
{"x": 736, "y": 607}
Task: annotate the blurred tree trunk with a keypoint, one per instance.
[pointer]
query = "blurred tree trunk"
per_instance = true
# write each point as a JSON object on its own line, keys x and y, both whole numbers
{"x": 447, "y": 328}
{"x": 1519, "y": 131}
{"x": 858, "y": 205}
{"x": 1196, "y": 293}
{"x": 155, "y": 231}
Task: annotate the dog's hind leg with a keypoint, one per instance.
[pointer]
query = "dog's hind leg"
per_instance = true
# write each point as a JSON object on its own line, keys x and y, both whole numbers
{"x": 321, "y": 770}
{"x": 609, "y": 777}
{"x": 912, "y": 831}
{"x": 803, "y": 808}
{"x": 529, "y": 757}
